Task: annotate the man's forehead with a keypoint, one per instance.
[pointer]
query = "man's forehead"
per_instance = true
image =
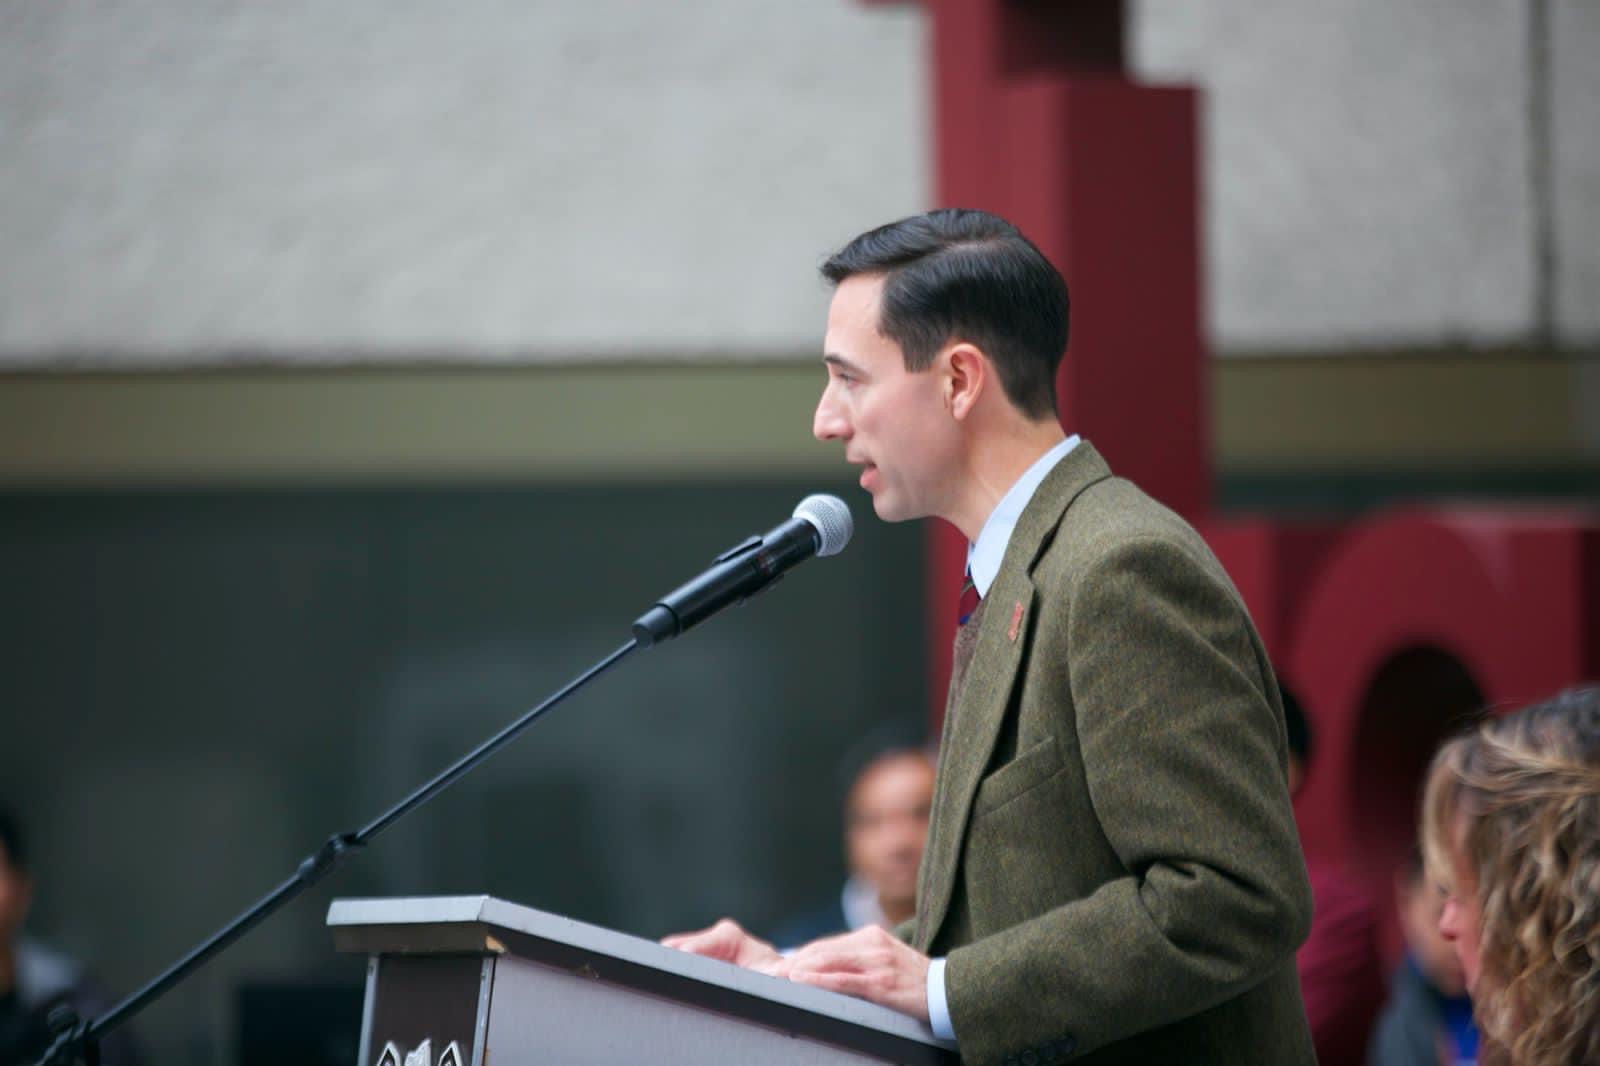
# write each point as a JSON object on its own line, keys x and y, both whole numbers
{"x": 855, "y": 302}
{"x": 834, "y": 359}
{"x": 853, "y": 341}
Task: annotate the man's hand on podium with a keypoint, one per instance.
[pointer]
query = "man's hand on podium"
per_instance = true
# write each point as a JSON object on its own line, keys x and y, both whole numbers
{"x": 870, "y": 963}
{"x": 727, "y": 941}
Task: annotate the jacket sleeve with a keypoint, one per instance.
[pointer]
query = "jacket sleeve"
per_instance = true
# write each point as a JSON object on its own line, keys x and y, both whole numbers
{"x": 1180, "y": 733}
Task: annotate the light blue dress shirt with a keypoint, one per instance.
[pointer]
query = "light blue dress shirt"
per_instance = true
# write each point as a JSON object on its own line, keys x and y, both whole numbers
{"x": 984, "y": 557}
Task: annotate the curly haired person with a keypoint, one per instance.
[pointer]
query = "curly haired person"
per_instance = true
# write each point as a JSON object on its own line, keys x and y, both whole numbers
{"x": 1511, "y": 829}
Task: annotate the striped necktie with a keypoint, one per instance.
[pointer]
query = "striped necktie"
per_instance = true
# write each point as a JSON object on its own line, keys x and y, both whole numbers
{"x": 968, "y": 601}
{"x": 966, "y": 641}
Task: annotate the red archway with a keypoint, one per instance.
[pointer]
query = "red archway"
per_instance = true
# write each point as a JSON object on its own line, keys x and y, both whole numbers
{"x": 1415, "y": 617}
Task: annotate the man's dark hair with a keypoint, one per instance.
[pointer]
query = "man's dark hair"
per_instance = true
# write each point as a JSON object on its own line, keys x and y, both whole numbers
{"x": 956, "y": 274}
{"x": 897, "y": 738}
{"x": 12, "y": 848}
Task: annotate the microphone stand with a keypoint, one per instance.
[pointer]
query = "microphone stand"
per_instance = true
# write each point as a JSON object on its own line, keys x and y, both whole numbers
{"x": 78, "y": 1041}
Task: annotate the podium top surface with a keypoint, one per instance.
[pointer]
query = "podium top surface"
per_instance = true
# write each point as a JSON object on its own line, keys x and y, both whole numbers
{"x": 446, "y": 924}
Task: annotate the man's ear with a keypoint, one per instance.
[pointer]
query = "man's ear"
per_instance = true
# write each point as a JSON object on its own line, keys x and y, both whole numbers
{"x": 966, "y": 377}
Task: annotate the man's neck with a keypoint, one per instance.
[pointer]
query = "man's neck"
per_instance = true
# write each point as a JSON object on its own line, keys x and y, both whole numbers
{"x": 1001, "y": 454}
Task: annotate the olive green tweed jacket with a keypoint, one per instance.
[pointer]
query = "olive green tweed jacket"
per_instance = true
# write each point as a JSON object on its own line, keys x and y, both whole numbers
{"x": 1112, "y": 866}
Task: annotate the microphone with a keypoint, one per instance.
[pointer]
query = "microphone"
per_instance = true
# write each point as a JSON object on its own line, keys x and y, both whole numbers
{"x": 821, "y": 526}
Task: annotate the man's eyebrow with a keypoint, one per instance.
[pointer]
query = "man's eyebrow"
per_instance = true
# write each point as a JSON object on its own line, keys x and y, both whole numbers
{"x": 841, "y": 362}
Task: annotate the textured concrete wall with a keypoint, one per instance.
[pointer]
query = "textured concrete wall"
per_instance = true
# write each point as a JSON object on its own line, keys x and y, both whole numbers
{"x": 1575, "y": 166}
{"x": 1372, "y": 179}
{"x": 191, "y": 180}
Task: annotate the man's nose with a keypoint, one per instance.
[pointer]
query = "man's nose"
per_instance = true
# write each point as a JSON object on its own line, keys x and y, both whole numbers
{"x": 828, "y": 423}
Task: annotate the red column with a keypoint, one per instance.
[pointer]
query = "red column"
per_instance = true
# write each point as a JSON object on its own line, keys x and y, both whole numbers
{"x": 1036, "y": 121}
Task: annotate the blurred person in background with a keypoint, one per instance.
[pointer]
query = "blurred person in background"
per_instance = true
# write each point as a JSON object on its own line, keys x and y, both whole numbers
{"x": 34, "y": 980}
{"x": 1341, "y": 971}
{"x": 1511, "y": 830}
{"x": 885, "y": 828}
{"x": 1427, "y": 1020}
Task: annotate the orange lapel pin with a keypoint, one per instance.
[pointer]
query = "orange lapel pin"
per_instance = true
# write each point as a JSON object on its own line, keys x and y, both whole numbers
{"x": 1016, "y": 622}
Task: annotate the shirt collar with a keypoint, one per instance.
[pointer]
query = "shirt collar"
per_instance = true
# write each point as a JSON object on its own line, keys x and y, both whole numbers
{"x": 985, "y": 554}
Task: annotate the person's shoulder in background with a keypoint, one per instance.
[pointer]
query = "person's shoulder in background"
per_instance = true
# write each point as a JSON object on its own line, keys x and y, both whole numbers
{"x": 47, "y": 977}
{"x": 804, "y": 928}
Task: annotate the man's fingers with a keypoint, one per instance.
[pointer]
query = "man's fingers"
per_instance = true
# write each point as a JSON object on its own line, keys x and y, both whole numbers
{"x": 851, "y": 952}
{"x": 846, "y": 949}
{"x": 832, "y": 962}
{"x": 689, "y": 941}
{"x": 868, "y": 964}
{"x": 843, "y": 982}
{"x": 778, "y": 967}
{"x": 720, "y": 941}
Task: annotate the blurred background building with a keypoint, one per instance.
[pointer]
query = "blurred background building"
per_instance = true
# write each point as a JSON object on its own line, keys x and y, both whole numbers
{"x": 364, "y": 371}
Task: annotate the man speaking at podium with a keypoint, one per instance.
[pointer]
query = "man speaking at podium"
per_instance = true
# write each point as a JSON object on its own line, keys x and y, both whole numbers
{"x": 1112, "y": 871}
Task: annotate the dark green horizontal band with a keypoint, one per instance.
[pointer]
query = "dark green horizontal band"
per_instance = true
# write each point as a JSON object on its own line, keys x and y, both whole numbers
{"x": 1442, "y": 412}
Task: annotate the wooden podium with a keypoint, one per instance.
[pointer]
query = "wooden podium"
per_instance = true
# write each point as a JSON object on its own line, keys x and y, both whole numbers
{"x": 477, "y": 981}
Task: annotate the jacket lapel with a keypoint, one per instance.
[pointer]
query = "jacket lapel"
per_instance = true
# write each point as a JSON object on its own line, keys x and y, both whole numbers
{"x": 973, "y": 717}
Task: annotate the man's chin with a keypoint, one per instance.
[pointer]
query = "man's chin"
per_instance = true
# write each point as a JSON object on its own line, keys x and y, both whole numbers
{"x": 887, "y": 509}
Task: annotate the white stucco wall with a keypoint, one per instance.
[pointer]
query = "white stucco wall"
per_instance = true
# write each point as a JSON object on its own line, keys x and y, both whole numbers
{"x": 480, "y": 179}
{"x": 191, "y": 182}
{"x": 1575, "y": 151}
{"x": 1367, "y": 166}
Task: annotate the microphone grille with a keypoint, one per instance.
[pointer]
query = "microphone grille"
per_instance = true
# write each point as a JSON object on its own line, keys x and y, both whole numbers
{"x": 830, "y": 517}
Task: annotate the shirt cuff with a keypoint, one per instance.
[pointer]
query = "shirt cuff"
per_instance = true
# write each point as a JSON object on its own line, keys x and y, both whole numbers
{"x": 938, "y": 1009}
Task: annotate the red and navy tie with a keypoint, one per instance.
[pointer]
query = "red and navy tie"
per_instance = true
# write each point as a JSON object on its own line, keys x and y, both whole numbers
{"x": 968, "y": 601}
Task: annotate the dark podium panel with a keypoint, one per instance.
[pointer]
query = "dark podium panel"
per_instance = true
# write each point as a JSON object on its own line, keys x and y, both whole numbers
{"x": 474, "y": 981}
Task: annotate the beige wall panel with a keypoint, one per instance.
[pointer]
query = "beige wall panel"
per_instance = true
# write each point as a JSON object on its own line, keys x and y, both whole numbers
{"x": 1415, "y": 412}
{"x": 310, "y": 182}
